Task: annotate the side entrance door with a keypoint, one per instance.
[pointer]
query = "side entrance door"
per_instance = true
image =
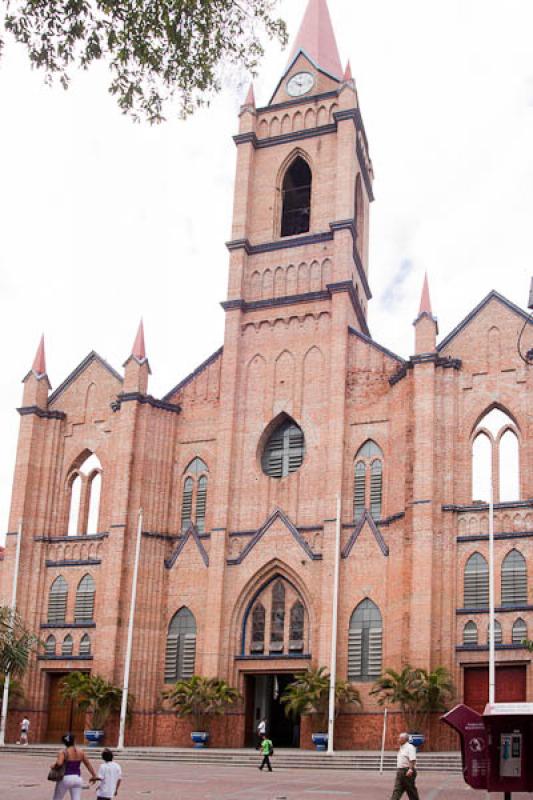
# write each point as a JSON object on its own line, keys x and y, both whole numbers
{"x": 510, "y": 685}
{"x": 62, "y": 717}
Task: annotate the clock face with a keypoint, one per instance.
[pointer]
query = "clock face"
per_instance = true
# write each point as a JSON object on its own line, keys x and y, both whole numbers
{"x": 299, "y": 84}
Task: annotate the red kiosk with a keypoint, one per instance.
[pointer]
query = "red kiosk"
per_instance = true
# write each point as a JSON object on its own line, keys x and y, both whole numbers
{"x": 494, "y": 746}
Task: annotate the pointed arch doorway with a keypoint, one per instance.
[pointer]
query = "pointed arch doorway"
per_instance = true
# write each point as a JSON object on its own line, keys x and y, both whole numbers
{"x": 263, "y": 692}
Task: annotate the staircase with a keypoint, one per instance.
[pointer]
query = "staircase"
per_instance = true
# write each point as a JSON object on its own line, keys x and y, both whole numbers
{"x": 288, "y": 759}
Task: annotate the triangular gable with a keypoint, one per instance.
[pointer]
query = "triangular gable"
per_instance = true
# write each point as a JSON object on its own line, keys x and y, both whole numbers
{"x": 204, "y": 365}
{"x": 278, "y": 514}
{"x": 493, "y": 295}
{"x": 191, "y": 532}
{"x": 82, "y": 366}
{"x": 290, "y": 65}
{"x": 366, "y": 518}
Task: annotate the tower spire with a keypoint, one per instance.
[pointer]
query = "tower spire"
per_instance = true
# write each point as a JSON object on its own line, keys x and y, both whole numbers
{"x": 138, "y": 350}
{"x": 316, "y": 39}
{"x": 425, "y": 302}
{"x": 250, "y": 97}
{"x": 39, "y": 362}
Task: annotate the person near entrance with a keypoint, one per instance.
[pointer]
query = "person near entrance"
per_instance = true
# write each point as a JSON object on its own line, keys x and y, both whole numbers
{"x": 24, "y": 731}
{"x": 261, "y": 731}
{"x": 266, "y": 751}
{"x": 406, "y": 770}
{"x": 72, "y": 757}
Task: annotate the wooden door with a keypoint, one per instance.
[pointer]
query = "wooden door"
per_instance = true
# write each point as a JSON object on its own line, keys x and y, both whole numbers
{"x": 510, "y": 686}
{"x": 62, "y": 717}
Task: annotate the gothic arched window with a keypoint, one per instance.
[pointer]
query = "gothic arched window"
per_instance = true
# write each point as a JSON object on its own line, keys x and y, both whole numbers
{"x": 368, "y": 480}
{"x": 514, "y": 579}
{"x": 68, "y": 645}
{"x": 519, "y": 631}
{"x": 496, "y": 458}
{"x": 194, "y": 495}
{"x": 277, "y": 618}
{"x": 476, "y": 582}
{"x": 85, "y": 645}
{"x": 50, "y": 646}
{"x": 57, "y": 600}
{"x": 470, "y": 633}
{"x": 84, "y": 610}
{"x": 498, "y": 635}
{"x": 296, "y": 629}
{"x": 296, "y": 198}
{"x": 284, "y": 450}
{"x": 180, "y": 655}
{"x": 365, "y": 642}
{"x": 258, "y": 629}
{"x": 85, "y": 486}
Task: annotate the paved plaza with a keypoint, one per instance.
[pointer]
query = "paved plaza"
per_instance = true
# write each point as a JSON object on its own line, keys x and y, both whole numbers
{"x": 24, "y": 778}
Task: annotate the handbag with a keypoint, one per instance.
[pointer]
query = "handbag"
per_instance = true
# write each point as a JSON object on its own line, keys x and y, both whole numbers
{"x": 57, "y": 772}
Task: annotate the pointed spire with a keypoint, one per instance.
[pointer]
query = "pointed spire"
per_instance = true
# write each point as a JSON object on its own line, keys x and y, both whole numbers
{"x": 250, "y": 97}
{"x": 317, "y": 39}
{"x": 425, "y": 302}
{"x": 348, "y": 72}
{"x": 139, "y": 350}
{"x": 39, "y": 362}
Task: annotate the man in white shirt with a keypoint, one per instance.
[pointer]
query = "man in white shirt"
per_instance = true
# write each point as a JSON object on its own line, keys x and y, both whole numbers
{"x": 24, "y": 731}
{"x": 261, "y": 731}
{"x": 406, "y": 770}
{"x": 110, "y": 776}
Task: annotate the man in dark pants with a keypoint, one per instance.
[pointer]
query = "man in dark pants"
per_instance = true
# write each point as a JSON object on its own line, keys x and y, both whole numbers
{"x": 406, "y": 770}
{"x": 266, "y": 751}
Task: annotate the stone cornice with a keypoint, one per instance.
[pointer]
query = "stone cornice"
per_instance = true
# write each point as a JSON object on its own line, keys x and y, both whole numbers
{"x": 425, "y": 358}
{"x": 484, "y": 537}
{"x": 90, "y": 537}
{"x": 42, "y": 413}
{"x": 144, "y": 399}
{"x": 73, "y": 562}
{"x": 470, "y": 611}
{"x": 485, "y": 506}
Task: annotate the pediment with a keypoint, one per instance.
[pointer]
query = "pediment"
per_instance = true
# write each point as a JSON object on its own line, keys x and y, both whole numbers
{"x": 274, "y": 521}
{"x": 190, "y": 533}
{"x": 365, "y": 523}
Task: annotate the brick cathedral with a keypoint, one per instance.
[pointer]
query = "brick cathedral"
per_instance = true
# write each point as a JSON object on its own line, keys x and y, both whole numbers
{"x": 237, "y": 468}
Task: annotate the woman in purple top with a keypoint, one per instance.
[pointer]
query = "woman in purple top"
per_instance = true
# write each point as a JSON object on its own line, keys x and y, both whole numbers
{"x": 72, "y": 757}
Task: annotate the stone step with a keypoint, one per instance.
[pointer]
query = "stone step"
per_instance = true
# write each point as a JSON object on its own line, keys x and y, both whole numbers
{"x": 293, "y": 759}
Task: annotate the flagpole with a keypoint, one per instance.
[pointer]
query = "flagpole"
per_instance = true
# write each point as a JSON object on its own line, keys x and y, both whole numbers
{"x": 334, "y": 614}
{"x": 124, "y": 704}
{"x": 7, "y": 676}
{"x": 492, "y": 664}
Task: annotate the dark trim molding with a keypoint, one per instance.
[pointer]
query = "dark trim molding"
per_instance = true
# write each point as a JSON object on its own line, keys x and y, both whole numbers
{"x": 370, "y": 341}
{"x": 64, "y": 658}
{"x": 190, "y": 533}
{"x": 425, "y": 358}
{"x": 82, "y": 366}
{"x": 65, "y": 625}
{"x": 484, "y": 647}
{"x": 301, "y": 240}
{"x": 278, "y": 657}
{"x": 70, "y": 562}
{"x": 498, "y": 610}
{"x": 41, "y": 412}
{"x": 493, "y": 295}
{"x": 93, "y": 537}
{"x": 144, "y": 399}
{"x": 284, "y": 138}
{"x": 389, "y": 520}
{"x": 356, "y": 532}
{"x": 485, "y": 506}
{"x": 204, "y": 365}
{"x": 484, "y": 537}
{"x": 278, "y": 514}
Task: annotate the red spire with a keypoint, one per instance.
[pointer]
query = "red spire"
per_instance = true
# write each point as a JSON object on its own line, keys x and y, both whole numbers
{"x": 425, "y": 302}
{"x": 39, "y": 362}
{"x": 348, "y": 72}
{"x": 139, "y": 350}
{"x": 317, "y": 39}
{"x": 250, "y": 97}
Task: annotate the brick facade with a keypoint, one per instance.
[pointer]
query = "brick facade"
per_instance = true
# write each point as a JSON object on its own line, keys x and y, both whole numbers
{"x": 296, "y": 345}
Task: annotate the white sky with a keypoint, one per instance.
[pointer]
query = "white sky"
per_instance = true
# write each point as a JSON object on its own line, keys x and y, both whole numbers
{"x": 102, "y": 220}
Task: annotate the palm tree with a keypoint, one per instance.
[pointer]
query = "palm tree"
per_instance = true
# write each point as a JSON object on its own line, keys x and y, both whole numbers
{"x": 16, "y": 642}
{"x": 93, "y": 694}
{"x": 201, "y": 698}
{"x": 309, "y": 694}
{"x": 416, "y": 691}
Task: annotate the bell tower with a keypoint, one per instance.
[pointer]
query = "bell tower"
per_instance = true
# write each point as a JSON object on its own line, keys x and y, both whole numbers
{"x": 303, "y": 184}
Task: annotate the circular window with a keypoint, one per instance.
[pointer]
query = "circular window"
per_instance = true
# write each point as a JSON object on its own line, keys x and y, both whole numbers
{"x": 284, "y": 450}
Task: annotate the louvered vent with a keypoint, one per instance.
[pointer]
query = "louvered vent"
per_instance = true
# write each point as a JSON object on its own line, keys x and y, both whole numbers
{"x": 514, "y": 579}
{"x": 470, "y": 633}
{"x": 50, "y": 646}
{"x": 57, "y": 600}
{"x": 67, "y": 646}
{"x": 476, "y": 582}
{"x": 375, "y": 641}
{"x": 186, "y": 504}
{"x": 171, "y": 659}
{"x": 376, "y": 480}
{"x": 85, "y": 645}
{"x": 84, "y": 611}
{"x": 180, "y": 651}
{"x": 189, "y": 656}
{"x": 201, "y": 503}
{"x": 519, "y": 631}
{"x": 355, "y": 650}
{"x": 284, "y": 451}
{"x": 498, "y": 636}
{"x": 359, "y": 490}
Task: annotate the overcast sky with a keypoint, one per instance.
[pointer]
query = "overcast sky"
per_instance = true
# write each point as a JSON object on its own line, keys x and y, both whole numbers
{"x": 102, "y": 220}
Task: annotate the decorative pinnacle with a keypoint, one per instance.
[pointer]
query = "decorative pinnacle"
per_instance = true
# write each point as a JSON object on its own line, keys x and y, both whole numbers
{"x": 139, "y": 350}
{"x": 250, "y": 97}
{"x": 425, "y": 302}
{"x": 39, "y": 362}
{"x": 348, "y": 72}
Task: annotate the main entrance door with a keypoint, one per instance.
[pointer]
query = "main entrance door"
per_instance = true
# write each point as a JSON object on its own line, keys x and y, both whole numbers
{"x": 62, "y": 716}
{"x": 263, "y": 693}
{"x": 510, "y": 686}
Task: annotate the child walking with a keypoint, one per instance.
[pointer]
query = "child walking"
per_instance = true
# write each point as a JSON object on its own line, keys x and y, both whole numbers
{"x": 110, "y": 777}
